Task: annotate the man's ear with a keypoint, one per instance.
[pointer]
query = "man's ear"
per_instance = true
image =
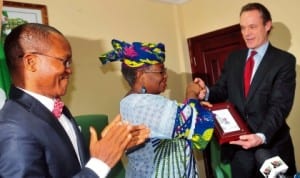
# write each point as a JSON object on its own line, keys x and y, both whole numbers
{"x": 30, "y": 62}
{"x": 268, "y": 26}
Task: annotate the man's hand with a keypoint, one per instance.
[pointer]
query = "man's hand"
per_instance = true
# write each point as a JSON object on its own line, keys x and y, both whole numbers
{"x": 202, "y": 86}
{"x": 206, "y": 104}
{"x": 248, "y": 141}
{"x": 114, "y": 141}
{"x": 139, "y": 134}
{"x": 117, "y": 137}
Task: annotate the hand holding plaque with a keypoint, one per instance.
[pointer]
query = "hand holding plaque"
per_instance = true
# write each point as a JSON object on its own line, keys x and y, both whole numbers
{"x": 228, "y": 123}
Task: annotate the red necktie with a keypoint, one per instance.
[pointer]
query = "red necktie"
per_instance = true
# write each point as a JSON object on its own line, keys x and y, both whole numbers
{"x": 248, "y": 71}
{"x": 58, "y": 107}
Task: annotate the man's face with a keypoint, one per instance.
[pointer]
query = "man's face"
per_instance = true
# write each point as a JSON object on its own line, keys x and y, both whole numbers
{"x": 254, "y": 31}
{"x": 53, "y": 68}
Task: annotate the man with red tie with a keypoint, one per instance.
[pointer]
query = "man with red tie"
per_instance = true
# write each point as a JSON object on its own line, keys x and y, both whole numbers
{"x": 263, "y": 94}
{"x": 38, "y": 140}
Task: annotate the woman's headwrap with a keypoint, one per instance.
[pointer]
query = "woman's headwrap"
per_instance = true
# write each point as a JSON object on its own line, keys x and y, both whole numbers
{"x": 136, "y": 54}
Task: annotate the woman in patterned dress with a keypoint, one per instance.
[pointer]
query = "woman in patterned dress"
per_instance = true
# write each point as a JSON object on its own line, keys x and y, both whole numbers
{"x": 176, "y": 128}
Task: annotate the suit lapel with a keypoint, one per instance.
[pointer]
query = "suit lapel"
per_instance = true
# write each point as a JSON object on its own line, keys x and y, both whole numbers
{"x": 80, "y": 141}
{"x": 41, "y": 112}
{"x": 240, "y": 67}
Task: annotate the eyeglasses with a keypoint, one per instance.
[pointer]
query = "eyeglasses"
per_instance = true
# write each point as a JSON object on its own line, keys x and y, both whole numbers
{"x": 161, "y": 72}
{"x": 66, "y": 62}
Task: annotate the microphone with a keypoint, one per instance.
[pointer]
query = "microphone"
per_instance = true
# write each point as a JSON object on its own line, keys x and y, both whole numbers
{"x": 273, "y": 167}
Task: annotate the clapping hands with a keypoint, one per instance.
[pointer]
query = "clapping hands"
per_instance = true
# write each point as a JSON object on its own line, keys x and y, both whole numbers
{"x": 117, "y": 137}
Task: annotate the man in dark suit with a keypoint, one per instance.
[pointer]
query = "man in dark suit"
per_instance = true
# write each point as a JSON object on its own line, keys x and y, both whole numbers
{"x": 33, "y": 142}
{"x": 268, "y": 102}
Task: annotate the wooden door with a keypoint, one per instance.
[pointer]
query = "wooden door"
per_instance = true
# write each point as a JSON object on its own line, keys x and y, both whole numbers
{"x": 208, "y": 53}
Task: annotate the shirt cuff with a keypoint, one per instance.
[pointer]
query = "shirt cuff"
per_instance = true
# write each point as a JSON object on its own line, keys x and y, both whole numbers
{"x": 262, "y": 136}
{"x": 207, "y": 94}
{"x": 98, "y": 166}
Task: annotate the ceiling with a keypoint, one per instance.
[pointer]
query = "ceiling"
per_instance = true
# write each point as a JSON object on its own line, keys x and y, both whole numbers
{"x": 173, "y": 1}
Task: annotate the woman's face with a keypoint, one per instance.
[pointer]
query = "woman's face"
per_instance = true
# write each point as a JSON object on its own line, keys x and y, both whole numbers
{"x": 155, "y": 78}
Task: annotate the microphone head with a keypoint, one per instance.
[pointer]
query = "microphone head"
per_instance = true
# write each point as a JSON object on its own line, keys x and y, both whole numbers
{"x": 273, "y": 167}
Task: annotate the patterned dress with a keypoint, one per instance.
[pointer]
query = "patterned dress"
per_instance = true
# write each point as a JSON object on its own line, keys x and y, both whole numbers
{"x": 176, "y": 129}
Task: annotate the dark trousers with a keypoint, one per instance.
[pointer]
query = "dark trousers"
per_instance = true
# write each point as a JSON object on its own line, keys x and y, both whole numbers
{"x": 243, "y": 165}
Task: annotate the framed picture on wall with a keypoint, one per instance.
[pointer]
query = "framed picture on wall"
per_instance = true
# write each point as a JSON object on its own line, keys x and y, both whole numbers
{"x": 17, "y": 13}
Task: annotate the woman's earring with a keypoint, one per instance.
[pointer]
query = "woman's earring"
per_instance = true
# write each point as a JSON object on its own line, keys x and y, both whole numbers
{"x": 143, "y": 90}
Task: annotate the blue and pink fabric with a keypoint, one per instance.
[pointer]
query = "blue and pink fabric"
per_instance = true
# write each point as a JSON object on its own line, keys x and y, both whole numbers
{"x": 176, "y": 129}
{"x": 134, "y": 55}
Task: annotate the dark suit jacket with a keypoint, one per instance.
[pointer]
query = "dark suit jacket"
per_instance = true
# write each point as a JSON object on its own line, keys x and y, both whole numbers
{"x": 270, "y": 97}
{"x": 34, "y": 144}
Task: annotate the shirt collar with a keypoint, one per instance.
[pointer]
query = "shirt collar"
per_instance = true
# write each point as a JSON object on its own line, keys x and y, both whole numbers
{"x": 47, "y": 102}
{"x": 260, "y": 50}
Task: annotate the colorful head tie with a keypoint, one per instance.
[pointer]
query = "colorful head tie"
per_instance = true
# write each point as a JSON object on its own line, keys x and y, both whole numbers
{"x": 136, "y": 54}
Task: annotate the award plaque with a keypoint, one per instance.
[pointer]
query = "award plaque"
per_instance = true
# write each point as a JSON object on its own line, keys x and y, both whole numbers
{"x": 228, "y": 123}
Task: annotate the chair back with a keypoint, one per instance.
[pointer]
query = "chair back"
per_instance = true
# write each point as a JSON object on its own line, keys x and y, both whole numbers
{"x": 98, "y": 121}
{"x": 220, "y": 170}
